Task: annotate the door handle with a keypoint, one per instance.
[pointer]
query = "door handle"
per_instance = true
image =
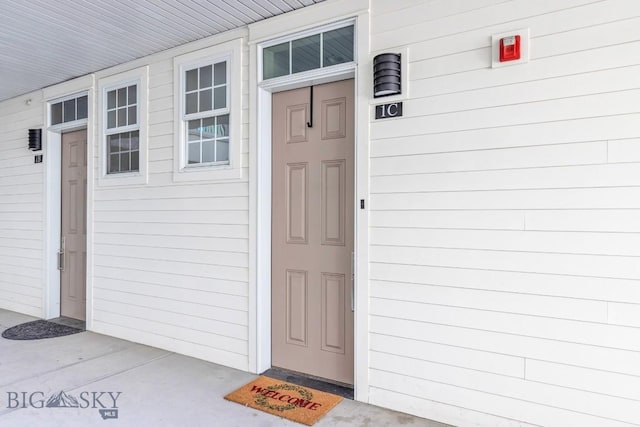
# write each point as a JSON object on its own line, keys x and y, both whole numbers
{"x": 61, "y": 255}
{"x": 353, "y": 275}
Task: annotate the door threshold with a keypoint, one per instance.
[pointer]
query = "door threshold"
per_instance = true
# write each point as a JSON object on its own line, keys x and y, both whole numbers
{"x": 68, "y": 321}
{"x": 309, "y": 381}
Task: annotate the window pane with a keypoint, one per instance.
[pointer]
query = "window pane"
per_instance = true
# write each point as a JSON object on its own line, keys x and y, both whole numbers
{"x": 192, "y": 80}
{"x": 194, "y": 153}
{"x": 222, "y": 150}
{"x": 337, "y": 46}
{"x": 275, "y": 61}
{"x": 135, "y": 161}
{"x": 124, "y": 142}
{"x": 111, "y": 119}
{"x": 69, "y": 110}
{"x": 114, "y": 143}
{"x": 208, "y": 151}
{"x": 124, "y": 162}
{"x": 135, "y": 143}
{"x": 114, "y": 163}
{"x": 122, "y": 97}
{"x": 220, "y": 97}
{"x": 194, "y": 130}
{"x": 222, "y": 128}
{"x": 192, "y": 103}
{"x": 205, "y": 76}
{"x": 220, "y": 71}
{"x": 82, "y": 107}
{"x": 133, "y": 95}
{"x": 208, "y": 128}
{"x": 305, "y": 54}
{"x": 133, "y": 115}
{"x": 205, "y": 100}
{"x": 111, "y": 99}
{"x": 56, "y": 113}
{"x": 122, "y": 117}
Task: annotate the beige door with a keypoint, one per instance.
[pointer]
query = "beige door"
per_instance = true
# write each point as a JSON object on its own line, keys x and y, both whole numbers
{"x": 73, "y": 244}
{"x": 312, "y": 231}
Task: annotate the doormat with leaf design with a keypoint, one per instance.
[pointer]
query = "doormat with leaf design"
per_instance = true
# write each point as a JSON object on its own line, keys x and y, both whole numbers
{"x": 301, "y": 404}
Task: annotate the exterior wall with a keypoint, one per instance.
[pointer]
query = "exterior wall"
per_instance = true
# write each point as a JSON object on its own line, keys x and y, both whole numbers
{"x": 21, "y": 208}
{"x": 504, "y": 205}
{"x": 171, "y": 258}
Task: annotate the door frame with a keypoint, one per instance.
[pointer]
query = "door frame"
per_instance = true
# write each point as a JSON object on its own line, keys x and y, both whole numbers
{"x": 52, "y": 152}
{"x": 260, "y": 164}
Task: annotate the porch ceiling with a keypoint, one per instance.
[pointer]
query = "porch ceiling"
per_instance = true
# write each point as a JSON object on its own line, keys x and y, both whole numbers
{"x": 44, "y": 42}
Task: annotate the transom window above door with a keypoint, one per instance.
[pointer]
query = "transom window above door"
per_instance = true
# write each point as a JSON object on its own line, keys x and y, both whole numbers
{"x": 310, "y": 52}
{"x": 68, "y": 110}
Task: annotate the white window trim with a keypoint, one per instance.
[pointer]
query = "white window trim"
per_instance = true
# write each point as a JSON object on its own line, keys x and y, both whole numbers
{"x": 139, "y": 77}
{"x": 231, "y": 52}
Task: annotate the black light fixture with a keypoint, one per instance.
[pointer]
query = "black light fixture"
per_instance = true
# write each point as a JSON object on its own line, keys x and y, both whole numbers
{"x": 387, "y": 75}
{"x": 35, "y": 139}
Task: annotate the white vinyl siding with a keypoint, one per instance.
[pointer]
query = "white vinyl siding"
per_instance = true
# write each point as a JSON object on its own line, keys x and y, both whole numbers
{"x": 171, "y": 259}
{"x": 504, "y": 216}
{"x": 21, "y": 207}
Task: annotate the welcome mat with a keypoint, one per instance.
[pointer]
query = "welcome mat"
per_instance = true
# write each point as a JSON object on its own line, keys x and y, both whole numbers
{"x": 37, "y": 330}
{"x": 296, "y": 403}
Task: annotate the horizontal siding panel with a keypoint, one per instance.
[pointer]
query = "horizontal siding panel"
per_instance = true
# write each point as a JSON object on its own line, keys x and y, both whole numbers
{"x": 449, "y": 355}
{"x": 595, "y": 334}
{"x": 506, "y": 302}
{"x": 233, "y": 317}
{"x": 173, "y": 217}
{"x": 609, "y": 220}
{"x": 491, "y": 220}
{"x": 122, "y": 327}
{"x": 176, "y": 242}
{"x": 624, "y": 314}
{"x": 170, "y": 279}
{"x": 621, "y": 410}
{"x": 507, "y": 158}
{"x": 526, "y": 262}
{"x": 581, "y": 198}
{"x": 624, "y": 151}
{"x": 608, "y": 383}
{"x": 579, "y": 107}
{"x": 198, "y": 230}
{"x": 569, "y": 353}
{"x": 203, "y": 270}
{"x": 569, "y": 287}
{"x": 589, "y": 176}
{"x": 231, "y": 259}
{"x": 205, "y": 204}
{"x": 125, "y": 308}
{"x": 621, "y": 244}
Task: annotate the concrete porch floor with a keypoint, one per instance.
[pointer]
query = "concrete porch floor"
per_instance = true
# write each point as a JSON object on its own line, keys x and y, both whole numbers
{"x": 158, "y": 388}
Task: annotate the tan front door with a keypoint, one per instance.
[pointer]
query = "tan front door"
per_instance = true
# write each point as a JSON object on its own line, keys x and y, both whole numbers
{"x": 312, "y": 231}
{"x": 74, "y": 225}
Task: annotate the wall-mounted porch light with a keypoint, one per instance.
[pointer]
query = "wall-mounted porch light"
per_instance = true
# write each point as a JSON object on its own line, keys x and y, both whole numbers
{"x": 387, "y": 75}
{"x": 35, "y": 139}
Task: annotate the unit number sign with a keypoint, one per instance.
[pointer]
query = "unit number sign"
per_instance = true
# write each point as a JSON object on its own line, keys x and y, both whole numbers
{"x": 387, "y": 111}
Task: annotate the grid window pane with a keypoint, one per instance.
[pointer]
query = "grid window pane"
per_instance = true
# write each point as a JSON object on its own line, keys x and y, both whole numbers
{"x": 111, "y": 99}
{"x": 191, "y": 103}
{"x": 220, "y": 97}
{"x": 220, "y": 73}
{"x": 205, "y": 100}
{"x": 208, "y": 128}
{"x": 135, "y": 141}
{"x": 69, "y": 110}
{"x": 194, "y": 130}
{"x": 113, "y": 141}
{"x": 135, "y": 160}
{"x": 222, "y": 150}
{"x": 205, "y": 76}
{"x": 133, "y": 115}
{"x": 337, "y": 46}
{"x": 132, "y": 94}
{"x": 122, "y": 97}
{"x": 122, "y": 117}
{"x": 194, "y": 152}
{"x": 56, "y": 113}
{"x": 114, "y": 163}
{"x": 125, "y": 166}
{"x": 82, "y": 103}
{"x": 305, "y": 54}
{"x": 222, "y": 126}
{"x": 111, "y": 119}
{"x": 208, "y": 151}
{"x": 275, "y": 61}
{"x": 192, "y": 80}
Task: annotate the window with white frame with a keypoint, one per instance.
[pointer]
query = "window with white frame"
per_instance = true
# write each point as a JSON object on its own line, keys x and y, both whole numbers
{"x": 68, "y": 110}
{"x": 208, "y": 130}
{"x": 122, "y": 129}
{"x": 205, "y": 114}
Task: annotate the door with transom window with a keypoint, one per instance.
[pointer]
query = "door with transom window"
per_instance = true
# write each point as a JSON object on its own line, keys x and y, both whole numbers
{"x": 312, "y": 230}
